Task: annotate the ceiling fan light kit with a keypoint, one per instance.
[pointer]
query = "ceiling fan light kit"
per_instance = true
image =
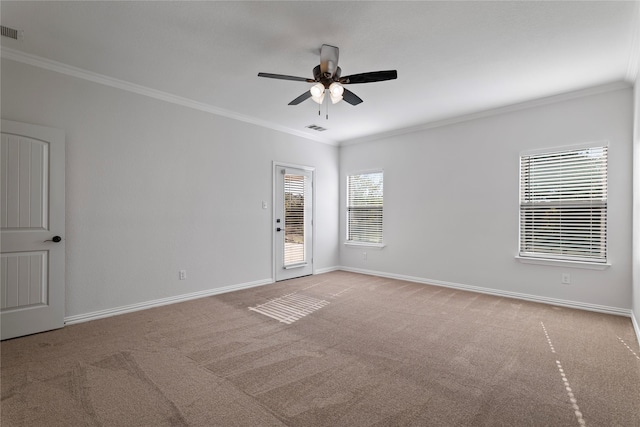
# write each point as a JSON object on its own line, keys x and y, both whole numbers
{"x": 335, "y": 91}
{"x": 317, "y": 92}
{"x": 326, "y": 77}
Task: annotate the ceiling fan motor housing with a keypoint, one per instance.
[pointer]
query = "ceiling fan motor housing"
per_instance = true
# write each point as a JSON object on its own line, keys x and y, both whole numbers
{"x": 326, "y": 79}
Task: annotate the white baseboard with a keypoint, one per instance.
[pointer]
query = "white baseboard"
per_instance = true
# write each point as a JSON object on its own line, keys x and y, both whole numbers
{"x": 79, "y": 318}
{"x": 497, "y": 292}
{"x": 326, "y": 270}
{"x": 636, "y": 325}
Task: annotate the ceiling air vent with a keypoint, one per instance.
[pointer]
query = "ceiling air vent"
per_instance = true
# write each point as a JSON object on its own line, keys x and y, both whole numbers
{"x": 316, "y": 127}
{"x": 10, "y": 32}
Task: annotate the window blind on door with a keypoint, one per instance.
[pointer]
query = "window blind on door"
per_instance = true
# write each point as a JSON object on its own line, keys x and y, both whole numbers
{"x": 294, "y": 219}
{"x": 365, "y": 207}
{"x": 563, "y": 204}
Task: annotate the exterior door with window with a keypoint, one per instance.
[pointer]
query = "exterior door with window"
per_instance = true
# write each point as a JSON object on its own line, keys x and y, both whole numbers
{"x": 293, "y": 222}
{"x": 32, "y": 291}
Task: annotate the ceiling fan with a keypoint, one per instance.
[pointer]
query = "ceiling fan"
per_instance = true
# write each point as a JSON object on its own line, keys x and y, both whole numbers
{"x": 326, "y": 77}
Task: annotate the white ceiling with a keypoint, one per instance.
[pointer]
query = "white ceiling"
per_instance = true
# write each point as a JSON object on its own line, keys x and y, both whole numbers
{"x": 453, "y": 58}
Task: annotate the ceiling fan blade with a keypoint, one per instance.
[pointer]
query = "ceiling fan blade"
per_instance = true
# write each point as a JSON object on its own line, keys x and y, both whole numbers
{"x": 283, "y": 77}
{"x": 351, "y": 97}
{"x": 328, "y": 59}
{"x": 301, "y": 98}
{"x": 373, "y": 76}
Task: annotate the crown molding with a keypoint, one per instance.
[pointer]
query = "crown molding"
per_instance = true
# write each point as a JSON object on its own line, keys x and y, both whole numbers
{"x": 595, "y": 90}
{"x": 59, "y": 67}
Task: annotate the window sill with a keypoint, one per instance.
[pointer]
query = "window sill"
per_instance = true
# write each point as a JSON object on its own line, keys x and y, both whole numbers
{"x": 564, "y": 263}
{"x": 365, "y": 245}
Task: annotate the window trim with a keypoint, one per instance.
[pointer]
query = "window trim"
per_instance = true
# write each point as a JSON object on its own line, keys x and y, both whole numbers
{"x": 356, "y": 243}
{"x": 563, "y": 263}
{"x": 559, "y": 260}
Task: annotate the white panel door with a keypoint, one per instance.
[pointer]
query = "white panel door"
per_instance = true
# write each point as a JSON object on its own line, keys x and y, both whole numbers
{"x": 293, "y": 209}
{"x": 32, "y": 203}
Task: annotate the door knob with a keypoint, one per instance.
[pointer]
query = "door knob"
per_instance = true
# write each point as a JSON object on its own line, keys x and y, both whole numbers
{"x": 55, "y": 239}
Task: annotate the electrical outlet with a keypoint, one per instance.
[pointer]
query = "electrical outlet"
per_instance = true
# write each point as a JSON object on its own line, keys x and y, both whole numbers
{"x": 566, "y": 278}
{"x": 182, "y": 274}
{"x": 364, "y": 256}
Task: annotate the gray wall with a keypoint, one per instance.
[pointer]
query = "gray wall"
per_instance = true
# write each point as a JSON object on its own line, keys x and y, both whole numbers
{"x": 451, "y": 200}
{"x": 153, "y": 187}
{"x": 149, "y": 192}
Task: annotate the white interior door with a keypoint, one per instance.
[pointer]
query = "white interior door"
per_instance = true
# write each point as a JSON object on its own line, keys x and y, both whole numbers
{"x": 32, "y": 205}
{"x": 293, "y": 228}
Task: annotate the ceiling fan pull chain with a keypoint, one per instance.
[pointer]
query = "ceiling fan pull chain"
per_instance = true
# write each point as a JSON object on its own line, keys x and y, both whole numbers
{"x": 327, "y": 110}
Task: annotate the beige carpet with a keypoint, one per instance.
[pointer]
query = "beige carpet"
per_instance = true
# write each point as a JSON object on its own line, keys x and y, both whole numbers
{"x": 358, "y": 351}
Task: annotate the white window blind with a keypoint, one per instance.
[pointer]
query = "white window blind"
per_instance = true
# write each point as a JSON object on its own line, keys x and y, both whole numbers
{"x": 563, "y": 205}
{"x": 294, "y": 219}
{"x": 364, "y": 207}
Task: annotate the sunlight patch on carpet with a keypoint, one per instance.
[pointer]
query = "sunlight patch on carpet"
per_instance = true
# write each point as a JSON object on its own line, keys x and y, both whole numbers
{"x": 572, "y": 397}
{"x": 565, "y": 381}
{"x": 553, "y": 350}
{"x": 629, "y": 348}
{"x": 289, "y": 308}
{"x": 337, "y": 294}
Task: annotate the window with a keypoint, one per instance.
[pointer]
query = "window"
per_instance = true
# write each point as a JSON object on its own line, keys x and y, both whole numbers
{"x": 364, "y": 208}
{"x": 563, "y": 205}
{"x": 294, "y": 198}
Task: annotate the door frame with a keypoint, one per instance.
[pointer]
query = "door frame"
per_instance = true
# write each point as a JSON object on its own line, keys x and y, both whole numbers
{"x": 274, "y": 175}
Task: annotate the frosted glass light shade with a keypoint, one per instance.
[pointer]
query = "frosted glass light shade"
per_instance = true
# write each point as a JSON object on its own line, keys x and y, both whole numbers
{"x": 317, "y": 89}
{"x": 335, "y": 99}
{"x": 317, "y": 92}
{"x": 336, "y": 89}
